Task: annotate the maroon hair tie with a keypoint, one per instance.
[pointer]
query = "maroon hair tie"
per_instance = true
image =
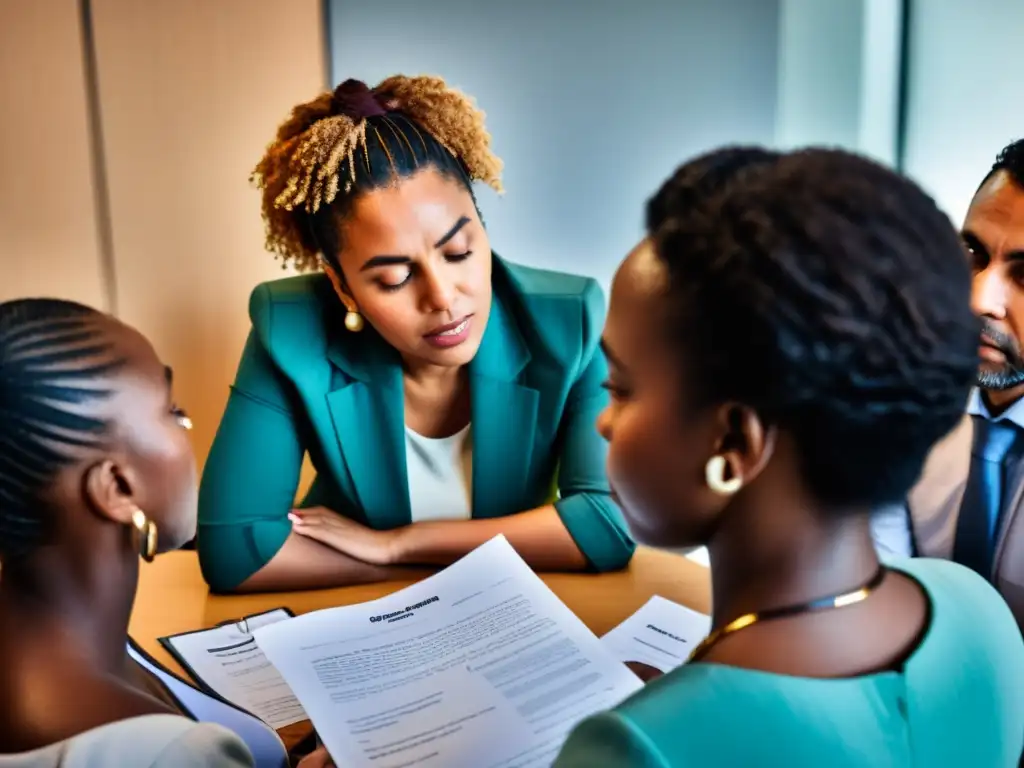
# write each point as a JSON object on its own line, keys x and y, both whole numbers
{"x": 355, "y": 100}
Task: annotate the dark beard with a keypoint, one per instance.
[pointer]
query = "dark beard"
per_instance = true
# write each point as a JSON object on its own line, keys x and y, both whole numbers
{"x": 1011, "y": 373}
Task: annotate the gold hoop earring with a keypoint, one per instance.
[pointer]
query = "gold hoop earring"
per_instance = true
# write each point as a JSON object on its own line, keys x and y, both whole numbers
{"x": 146, "y": 530}
{"x": 353, "y": 321}
{"x": 714, "y": 475}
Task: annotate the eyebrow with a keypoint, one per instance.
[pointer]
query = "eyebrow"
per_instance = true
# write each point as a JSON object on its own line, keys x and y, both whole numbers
{"x": 612, "y": 357}
{"x": 169, "y": 375}
{"x": 390, "y": 261}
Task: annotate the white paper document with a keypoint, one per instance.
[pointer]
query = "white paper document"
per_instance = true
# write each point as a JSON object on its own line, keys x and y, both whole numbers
{"x": 479, "y": 665}
{"x": 662, "y": 634}
{"x": 228, "y": 660}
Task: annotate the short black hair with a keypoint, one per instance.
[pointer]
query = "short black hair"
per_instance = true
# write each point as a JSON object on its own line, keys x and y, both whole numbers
{"x": 53, "y": 360}
{"x": 702, "y": 176}
{"x": 832, "y": 296}
{"x": 1011, "y": 160}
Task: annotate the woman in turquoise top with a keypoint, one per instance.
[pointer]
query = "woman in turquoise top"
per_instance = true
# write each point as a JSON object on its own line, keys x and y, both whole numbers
{"x": 444, "y": 395}
{"x": 785, "y": 346}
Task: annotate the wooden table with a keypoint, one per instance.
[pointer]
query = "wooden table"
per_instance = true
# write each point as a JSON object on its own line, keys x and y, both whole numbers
{"x": 173, "y": 598}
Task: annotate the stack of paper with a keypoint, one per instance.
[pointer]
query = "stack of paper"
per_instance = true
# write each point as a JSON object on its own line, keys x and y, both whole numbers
{"x": 479, "y": 665}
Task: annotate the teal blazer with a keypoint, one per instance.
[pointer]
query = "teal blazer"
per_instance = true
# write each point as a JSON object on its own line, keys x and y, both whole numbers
{"x": 305, "y": 384}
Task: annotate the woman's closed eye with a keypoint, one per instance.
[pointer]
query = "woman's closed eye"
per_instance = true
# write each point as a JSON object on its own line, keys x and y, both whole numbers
{"x": 394, "y": 282}
{"x": 393, "y": 278}
{"x": 390, "y": 285}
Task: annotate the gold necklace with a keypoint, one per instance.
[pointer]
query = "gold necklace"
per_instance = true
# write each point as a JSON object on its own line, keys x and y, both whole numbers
{"x": 841, "y": 600}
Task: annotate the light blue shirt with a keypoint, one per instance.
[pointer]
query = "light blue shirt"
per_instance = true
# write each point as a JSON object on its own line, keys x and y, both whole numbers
{"x": 1014, "y": 414}
{"x": 890, "y": 526}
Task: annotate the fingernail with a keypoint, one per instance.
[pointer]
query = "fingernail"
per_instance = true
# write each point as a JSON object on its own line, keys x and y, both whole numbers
{"x": 294, "y": 518}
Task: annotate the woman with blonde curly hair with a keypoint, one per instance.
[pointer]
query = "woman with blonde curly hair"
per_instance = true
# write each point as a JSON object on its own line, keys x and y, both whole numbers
{"x": 444, "y": 395}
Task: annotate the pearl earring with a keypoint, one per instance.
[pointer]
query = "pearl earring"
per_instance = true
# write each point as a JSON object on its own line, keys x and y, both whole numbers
{"x": 353, "y": 321}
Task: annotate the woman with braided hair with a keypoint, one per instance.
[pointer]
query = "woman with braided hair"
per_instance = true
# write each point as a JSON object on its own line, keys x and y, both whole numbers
{"x": 95, "y": 469}
{"x": 785, "y": 346}
{"x": 444, "y": 395}
{"x": 96, "y": 473}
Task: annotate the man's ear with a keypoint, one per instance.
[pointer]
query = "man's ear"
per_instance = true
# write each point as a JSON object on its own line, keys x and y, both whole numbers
{"x": 111, "y": 492}
{"x": 339, "y": 287}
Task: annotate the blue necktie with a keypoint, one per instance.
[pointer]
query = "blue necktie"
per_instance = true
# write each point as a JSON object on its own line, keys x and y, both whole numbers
{"x": 978, "y": 523}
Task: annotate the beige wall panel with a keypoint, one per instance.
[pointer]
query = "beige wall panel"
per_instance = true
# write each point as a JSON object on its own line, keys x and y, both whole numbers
{"x": 191, "y": 92}
{"x": 48, "y": 242}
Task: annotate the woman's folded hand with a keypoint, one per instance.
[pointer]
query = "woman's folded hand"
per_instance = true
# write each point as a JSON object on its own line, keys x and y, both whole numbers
{"x": 346, "y": 536}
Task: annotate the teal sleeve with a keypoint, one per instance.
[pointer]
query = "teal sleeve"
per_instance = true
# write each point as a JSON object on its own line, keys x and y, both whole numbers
{"x": 609, "y": 740}
{"x": 593, "y": 520}
{"x": 251, "y": 474}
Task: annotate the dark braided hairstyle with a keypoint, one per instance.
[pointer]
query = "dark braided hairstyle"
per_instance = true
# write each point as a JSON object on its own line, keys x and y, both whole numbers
{"x": 832, "y": 296}
{"x": 1011, "y": 160}
{"x": 53, "y": 362}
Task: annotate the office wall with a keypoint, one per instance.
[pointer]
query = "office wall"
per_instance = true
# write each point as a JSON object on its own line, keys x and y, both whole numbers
{"x": 188, "y": 94}
{"x": 591, "y": 108}
{"x": 48, "y": 236}
{"x": 882, "y": 42}
{"x": 966, "y": 93}
{"x": 839, "y": 75}
{"x": 191, "y": 92}
{"x": 819, "y": 72}
{"x": 590, "y": 112}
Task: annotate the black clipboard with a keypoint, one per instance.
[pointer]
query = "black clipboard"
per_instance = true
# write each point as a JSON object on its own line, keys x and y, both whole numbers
{"x": 306, "y": 745}
{"x": 242, "y": 624}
